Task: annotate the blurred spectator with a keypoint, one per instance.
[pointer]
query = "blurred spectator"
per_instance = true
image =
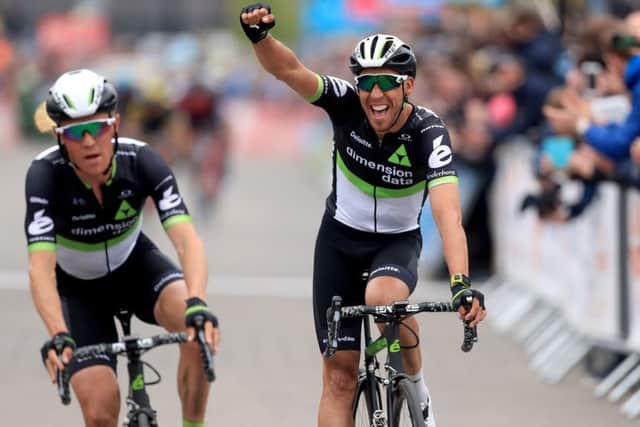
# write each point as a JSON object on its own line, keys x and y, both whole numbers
{"x": 536, "y": 45}
{"x": 612, "y": 139}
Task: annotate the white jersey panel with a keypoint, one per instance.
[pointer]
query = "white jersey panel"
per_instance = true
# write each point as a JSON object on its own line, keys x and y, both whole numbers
{"x": 398, "y": 214}
{"x": 89, "y": 264}
{"x": 353, "y": 207}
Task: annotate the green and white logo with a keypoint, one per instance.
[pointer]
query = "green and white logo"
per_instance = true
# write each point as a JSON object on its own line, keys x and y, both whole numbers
{"x": 125, "y": 211}
{"x": 399, "y": 157}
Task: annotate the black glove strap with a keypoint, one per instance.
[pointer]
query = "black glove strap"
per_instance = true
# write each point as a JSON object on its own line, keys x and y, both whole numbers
{"x": 259, "y": 31}
{"x": 459, "y": 283}
{"x": 197, "y": 307}
{"x": 58, "y": 342}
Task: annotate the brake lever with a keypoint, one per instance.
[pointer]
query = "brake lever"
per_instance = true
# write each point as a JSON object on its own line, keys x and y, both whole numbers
{"x": 205, "y": 350}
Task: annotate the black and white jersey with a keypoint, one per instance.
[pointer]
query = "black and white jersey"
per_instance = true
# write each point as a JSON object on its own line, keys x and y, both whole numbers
{"x": 91, "y": 238}
{"x": 381, "y": 186}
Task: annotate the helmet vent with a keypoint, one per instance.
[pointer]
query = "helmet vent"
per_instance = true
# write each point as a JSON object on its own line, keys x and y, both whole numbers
{"x": 374, "y": 42}
{"x": 387, "y": 46}
{"x": 92, "y": 95}
{"x": 68, "y": 101}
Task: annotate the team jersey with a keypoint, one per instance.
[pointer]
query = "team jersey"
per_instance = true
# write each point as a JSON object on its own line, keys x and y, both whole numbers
{"x": 90, "y": 238}
{"x": 381, "y": 186}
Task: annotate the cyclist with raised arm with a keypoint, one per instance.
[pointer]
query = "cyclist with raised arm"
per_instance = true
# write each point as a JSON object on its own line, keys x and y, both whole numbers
{"x": 388, "y": 154}
{"x": 88, "y": 256}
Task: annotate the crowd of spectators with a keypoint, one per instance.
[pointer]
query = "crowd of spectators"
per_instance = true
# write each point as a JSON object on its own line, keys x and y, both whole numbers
{"x": 568, "y": 84}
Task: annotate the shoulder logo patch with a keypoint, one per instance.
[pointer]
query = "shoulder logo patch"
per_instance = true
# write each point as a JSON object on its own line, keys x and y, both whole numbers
{"x": 441, "y": 154}
{"x": 400, "y": 157}
{"x": 41, "y": 224}
{"x": 169, "y": 200}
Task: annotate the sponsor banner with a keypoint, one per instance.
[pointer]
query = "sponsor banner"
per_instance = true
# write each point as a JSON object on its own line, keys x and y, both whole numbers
{"x": 633, "y": 254}
{"x": 592, "y": 267}
{"x": 572, "y": 266}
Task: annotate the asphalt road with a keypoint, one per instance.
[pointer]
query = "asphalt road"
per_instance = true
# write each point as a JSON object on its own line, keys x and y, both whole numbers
{"x": 259, "y": 244}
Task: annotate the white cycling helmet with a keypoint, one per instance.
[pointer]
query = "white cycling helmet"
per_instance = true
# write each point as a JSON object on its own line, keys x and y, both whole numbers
{"x": 383, "y": 50}
{"x": 80, "y": 93}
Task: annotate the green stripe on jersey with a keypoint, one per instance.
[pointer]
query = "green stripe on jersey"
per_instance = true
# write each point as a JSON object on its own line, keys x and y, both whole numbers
{"x": 176, "y": 219}
{"x": 41, "y": 246}
{"x": 380, "y": 192}
{"x": 92, "y": 247}
{"x": 319, "y": 90}
{"x": 442, "y": 180}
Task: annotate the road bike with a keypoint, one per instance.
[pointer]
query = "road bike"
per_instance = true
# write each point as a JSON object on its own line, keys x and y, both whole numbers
{"x": 140, "y": 412}
{"x": 401, "y": 405}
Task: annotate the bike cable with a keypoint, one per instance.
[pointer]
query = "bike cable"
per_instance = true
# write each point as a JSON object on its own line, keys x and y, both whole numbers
{"x": 408, "y": 347}
{"x": 155, "y": 371}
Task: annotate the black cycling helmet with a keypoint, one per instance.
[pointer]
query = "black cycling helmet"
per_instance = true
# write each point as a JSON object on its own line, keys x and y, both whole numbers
{"x": 383, "y": 50}
{"x": 80, "y": 93}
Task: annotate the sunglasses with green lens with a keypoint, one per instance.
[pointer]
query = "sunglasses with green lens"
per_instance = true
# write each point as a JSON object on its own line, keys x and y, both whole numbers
{"x": 76, "y": 131}
{"x": 385, "y": 82}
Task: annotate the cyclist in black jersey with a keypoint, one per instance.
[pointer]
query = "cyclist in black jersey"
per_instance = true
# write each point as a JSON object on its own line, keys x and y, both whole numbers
{"x": 388, "y": 155}
{"x": 88, "y": 257}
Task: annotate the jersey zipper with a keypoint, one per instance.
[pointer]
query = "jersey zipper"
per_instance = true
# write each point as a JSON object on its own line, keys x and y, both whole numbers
{"x": 375, "y": 190}
{"x": 104, "y": 223}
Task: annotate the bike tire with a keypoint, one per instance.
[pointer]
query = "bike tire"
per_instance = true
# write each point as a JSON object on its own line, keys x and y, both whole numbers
{"x": 406, "y": 406}
{"x": 363, "y": 404}
{"x": 143, "y": 420}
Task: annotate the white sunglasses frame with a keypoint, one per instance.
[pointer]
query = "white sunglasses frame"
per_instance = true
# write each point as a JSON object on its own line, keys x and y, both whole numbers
{"x": 110, "y": 121}
{"x": 399, "y": 77}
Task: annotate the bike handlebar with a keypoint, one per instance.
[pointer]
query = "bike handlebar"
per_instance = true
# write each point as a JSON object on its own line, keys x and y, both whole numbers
{"x": 131, "y": 344}
{"x": 135, "y": 345}
{"x": 384, "y": 313}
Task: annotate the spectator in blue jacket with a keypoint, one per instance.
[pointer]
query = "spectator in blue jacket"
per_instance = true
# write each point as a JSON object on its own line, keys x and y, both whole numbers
{"x": 611, "y": 139}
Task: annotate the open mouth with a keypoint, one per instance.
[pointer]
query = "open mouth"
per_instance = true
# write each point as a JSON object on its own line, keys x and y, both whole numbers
{"x": 379, "y": 112}
{"x": 92, "y": 157}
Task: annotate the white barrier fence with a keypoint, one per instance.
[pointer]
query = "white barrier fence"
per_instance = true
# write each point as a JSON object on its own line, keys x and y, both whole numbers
{"x": 564, "y": 287}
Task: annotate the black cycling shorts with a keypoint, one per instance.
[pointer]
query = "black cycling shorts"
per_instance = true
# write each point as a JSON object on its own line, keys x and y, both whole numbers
{"x": 342, "y": 254}
{"x": 89, "y": 306}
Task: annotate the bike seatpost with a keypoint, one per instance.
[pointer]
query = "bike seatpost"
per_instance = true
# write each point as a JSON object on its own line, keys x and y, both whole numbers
{"x": 124, "y": 316}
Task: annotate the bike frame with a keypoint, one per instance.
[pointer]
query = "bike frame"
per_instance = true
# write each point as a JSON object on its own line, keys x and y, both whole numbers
{"x": 137, "y": 397}
{"x": 389, "y": 339}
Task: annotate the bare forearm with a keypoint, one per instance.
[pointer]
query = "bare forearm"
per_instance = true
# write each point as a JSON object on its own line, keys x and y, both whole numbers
{"x": 275, "y": 57}
{"x": 47, "y": 301}
{"x": 194, "y": 267}
{"x": 454, "y": 243}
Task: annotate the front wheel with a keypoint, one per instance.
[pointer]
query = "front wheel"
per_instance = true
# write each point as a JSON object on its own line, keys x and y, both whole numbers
{"x": 406, "y": 406}
{"x": 366, "y": 402}
{"x": 141, "y": 420}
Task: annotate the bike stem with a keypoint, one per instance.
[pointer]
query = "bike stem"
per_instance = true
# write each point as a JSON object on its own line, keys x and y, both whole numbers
{"x": 137, "y": 390}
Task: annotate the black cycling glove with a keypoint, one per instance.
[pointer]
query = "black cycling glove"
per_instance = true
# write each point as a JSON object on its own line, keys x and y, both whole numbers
{"x": 259, "y": 31}
{"x": 461, "y": 288}
{"x": 59, "y": 342}
{"x": 197, "y": 308}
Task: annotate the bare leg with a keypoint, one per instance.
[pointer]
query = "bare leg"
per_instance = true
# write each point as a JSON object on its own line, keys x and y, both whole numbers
{"x": 384, "y": 290}
{"x": 100, "y": 405}
{"x": 339, "y": 380}
{"x": 193, "y": 387}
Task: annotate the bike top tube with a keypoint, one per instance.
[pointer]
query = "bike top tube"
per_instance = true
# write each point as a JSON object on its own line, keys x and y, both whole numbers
{"x": 130, "y": 344}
